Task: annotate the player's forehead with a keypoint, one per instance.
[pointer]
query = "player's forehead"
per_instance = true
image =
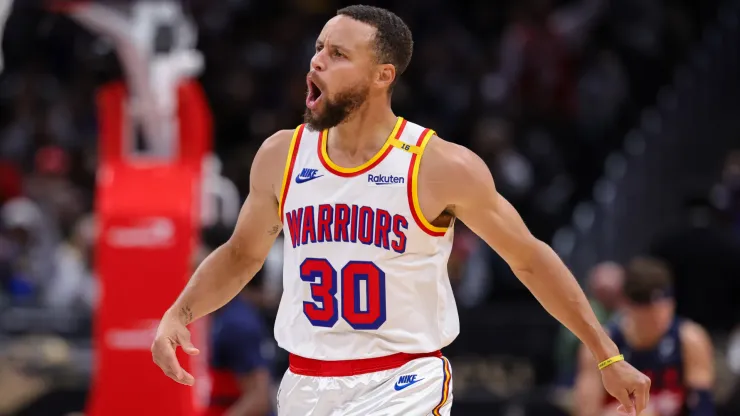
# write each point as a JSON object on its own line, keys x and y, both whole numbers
{"x": 347, "y": 33}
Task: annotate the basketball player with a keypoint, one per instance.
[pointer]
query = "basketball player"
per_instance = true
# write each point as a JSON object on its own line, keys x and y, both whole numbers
{"x": 367, "y": 201}
{"x": 675, "y": 353}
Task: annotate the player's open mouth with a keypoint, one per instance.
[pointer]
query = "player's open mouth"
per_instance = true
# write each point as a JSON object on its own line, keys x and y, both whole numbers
{"x": 314, "y": 94}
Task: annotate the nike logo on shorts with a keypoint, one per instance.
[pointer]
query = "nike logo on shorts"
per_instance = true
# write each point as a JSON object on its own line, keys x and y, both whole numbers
{"x": 405, "y": 381}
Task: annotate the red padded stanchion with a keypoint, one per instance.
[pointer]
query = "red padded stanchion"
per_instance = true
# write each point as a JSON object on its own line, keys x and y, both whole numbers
{"x": 149, "y": 221}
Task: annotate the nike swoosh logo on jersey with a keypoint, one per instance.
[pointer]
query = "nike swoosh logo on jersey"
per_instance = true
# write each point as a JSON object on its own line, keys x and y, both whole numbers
{"x": 307, "y": 175}
{"x": 402, "y": 384}
{"x": 300, "y": 179}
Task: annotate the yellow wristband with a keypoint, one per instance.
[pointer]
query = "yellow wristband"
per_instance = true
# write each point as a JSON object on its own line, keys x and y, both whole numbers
{"x": 610, "y": 361}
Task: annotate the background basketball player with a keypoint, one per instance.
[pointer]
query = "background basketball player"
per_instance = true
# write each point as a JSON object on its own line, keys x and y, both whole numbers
{"x": 240, "y": 362}
{"x": 385, "y": 246}
{"x": 675, "y": 353}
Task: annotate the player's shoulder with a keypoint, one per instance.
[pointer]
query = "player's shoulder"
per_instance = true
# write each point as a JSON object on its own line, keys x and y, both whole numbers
{"x": 271, "y": 156}
{"x": 447, "y": 162}
{"x": 277, "y": 145}
{"x": 693, "y": 334}
{"x": 447, "y": 154}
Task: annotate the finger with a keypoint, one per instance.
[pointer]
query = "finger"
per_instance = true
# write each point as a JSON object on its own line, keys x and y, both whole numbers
{"x": 186, "y": 344}
{"x": 182, "y": 377}
{"x": 166, "y": 359}
{"x": 171, "y": 367}
{"x": 621, "y": 411}
{"x": 189, "y": 348}
{"x": 641, "y": 396}
{"x": 187, "y": 378}
{"x": 626, "y": 402}
{"x": 647, "y": 398}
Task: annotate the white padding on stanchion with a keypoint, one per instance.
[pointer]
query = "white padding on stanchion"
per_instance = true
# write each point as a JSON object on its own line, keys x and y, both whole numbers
{"x": 5, "y": 7}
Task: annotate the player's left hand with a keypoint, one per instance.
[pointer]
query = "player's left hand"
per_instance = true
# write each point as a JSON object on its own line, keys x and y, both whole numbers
{"x": 629, "y": 386}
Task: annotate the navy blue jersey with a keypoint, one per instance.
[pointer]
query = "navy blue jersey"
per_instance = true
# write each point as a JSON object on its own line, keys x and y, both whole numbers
{"x": 663, "y": 363}
{"x": 237, "y": 348}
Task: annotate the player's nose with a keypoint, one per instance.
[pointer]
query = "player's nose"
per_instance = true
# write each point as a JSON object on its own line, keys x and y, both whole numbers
{"x": 317, "y": 62}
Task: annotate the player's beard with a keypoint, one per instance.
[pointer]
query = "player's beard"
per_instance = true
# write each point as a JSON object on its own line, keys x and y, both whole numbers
{"x": 336, "y": 110}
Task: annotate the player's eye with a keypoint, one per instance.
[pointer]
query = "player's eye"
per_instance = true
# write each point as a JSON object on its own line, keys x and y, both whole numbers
{"x": 338, "y": 54}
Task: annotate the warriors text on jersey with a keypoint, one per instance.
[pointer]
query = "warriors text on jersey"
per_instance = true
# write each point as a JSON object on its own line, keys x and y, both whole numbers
{"x": 365, "y": 273}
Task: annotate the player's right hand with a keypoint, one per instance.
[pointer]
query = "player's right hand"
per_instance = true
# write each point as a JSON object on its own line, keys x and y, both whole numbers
{"x": 172, "y": 333}
{"x": 629, "y": 386}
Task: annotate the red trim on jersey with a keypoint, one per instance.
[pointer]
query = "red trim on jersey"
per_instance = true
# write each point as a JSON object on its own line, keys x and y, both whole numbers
{"x": 350, "y": 172}
{"x": 410, "y": 192}
{"x": 345, "y": 368}
{"x": 289, "y": 172}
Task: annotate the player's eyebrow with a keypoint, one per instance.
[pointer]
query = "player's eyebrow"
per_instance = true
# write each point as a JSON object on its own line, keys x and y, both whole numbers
{"x": 341, "y": 48}
{"x": 334, "y": 46}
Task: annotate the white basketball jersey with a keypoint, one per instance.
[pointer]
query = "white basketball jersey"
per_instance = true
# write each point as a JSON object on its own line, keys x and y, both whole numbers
{"x": 365, "y": 274}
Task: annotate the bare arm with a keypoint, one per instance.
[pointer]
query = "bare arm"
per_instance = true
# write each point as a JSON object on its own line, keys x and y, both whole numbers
{"x": 589, "y": 393}
{"x": 255, "y": 400}
{"x": 468, "y": 187}
{"x": 224, "y": 273}
{"x": 462, "y": 184}
{"x": 698, "y": 357}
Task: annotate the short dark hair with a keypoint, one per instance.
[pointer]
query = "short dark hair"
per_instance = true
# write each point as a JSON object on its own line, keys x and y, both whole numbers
{"x": 393, "y": 42}
{"x": 647, "y": 279}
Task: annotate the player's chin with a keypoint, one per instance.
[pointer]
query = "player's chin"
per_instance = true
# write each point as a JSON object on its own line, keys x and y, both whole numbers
{"x": 312, "y": 118}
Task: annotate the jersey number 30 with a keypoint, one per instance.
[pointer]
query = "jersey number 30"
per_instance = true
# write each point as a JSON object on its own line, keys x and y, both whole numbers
{"x": 356, "y": 276}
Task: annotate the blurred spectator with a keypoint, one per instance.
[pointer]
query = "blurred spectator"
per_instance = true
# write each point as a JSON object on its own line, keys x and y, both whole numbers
{"x": 636, "y": 28}
{"x": 50, "y": 186}
{"x": 11, "y": 181}
{"x": 537, "y": 64}
{"x": 467, "y": 269}
{"x": 733, "y": 363}
{"x": 241, "y": 355}
{"x": 29, "y": 369}
{"x": 674, "y": 352}
{"x": 705, "y": 258}
{"x": 30, "y": 248}
{"x": 513, "y": 172}
{"x": 73, "y": 286}
{"x": 602, "y": 94}
{"x": 241, "y": 346}
{"x": 726, "y": 194}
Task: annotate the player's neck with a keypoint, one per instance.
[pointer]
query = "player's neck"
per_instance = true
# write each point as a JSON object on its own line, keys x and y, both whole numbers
{"x": 366, "y": 131}
{"x": 642, "y": 339}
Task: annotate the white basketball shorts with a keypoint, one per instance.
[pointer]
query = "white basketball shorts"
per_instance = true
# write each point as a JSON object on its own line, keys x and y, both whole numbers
{"x": 416, "y": 387}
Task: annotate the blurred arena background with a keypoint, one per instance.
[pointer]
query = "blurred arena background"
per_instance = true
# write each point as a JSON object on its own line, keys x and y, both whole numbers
{"x": 612, "y": 125}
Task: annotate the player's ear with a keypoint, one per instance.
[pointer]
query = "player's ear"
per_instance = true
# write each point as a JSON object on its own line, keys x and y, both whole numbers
{"x": 385, "y": 75}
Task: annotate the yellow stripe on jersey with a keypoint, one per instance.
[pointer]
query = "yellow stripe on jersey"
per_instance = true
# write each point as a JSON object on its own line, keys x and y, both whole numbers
{"x": 288, "y": 171}
{"x": 406, "y": 147}
{"x": 415, "y": 187}
{"x": 381, "y": 152}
